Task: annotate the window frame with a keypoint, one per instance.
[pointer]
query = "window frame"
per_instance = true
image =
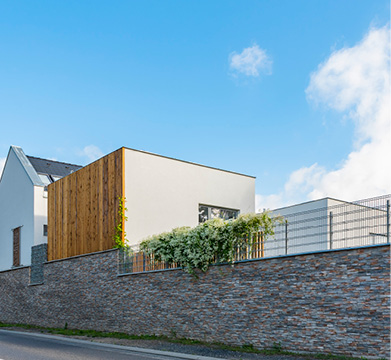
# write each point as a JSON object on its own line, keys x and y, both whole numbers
{"x": 210, "y": 207}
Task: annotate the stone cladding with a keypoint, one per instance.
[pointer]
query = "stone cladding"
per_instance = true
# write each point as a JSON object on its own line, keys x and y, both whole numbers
{"x": 39, "y": 255}
{"x": 330, "y": 302}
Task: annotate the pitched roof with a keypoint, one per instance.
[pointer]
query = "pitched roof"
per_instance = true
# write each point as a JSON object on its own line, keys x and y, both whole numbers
{"x": 51, "y": 167}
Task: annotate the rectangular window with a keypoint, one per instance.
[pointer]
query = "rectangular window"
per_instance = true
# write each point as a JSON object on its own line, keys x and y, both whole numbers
{"x": 45, "y": 230}
{"x": 16, "y": 247}
{"x": 206, "y": 212}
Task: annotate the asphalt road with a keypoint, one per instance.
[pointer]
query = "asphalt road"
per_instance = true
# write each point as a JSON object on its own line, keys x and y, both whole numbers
{"x": 25, "y": 346}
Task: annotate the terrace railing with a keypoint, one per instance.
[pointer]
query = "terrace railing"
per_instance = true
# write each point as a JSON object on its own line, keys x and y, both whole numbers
{"x": 336, "y": 225}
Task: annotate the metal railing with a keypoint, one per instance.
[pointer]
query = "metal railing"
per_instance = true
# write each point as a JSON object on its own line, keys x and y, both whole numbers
{"x": 331, "y": 224}
{"x": 320, "y": 225}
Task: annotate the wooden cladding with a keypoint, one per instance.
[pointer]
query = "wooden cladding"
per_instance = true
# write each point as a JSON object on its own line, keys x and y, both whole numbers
{"x": 83, "y": 208}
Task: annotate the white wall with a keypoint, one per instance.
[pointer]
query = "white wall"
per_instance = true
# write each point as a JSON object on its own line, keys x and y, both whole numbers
{"x": 40, "y": 214}
{"x": 307, "y": 229}
{"x": 16, "y": 209}
{"x": 356, "y": 225}
{"x": 164, "y": 193}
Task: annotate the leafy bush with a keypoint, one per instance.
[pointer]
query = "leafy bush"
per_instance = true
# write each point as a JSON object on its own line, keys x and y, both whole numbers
{"x": 215, "y": 240}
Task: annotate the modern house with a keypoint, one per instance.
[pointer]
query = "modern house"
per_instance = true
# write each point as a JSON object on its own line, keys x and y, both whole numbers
{"x": 160, "y": 193}
{"x": 23, "y": 204}
{"x": 328, "y": 223}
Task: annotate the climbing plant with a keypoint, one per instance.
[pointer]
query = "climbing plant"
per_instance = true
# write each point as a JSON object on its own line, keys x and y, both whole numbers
{"x": 120, "y": 234}
{"x": 211, "y": 241}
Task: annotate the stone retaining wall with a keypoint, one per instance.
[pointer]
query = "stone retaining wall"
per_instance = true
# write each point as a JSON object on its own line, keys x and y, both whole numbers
{"x": 335, "y": 301}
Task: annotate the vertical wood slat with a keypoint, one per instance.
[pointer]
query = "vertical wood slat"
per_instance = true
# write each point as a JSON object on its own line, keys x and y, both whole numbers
{"x": 105, "y": 201}
{"x": 58, "y": 247}
{"x": 111, "y": 199}
{"x": 51, "y": 220}
{"x": 83, "y": 207}
{"x": 93, "y": 199}
{"x": 65, "y": 220}
{"x": 72, "y": 213}
{"x": 79, "y": 213}
{"x": 87, "y": 207}
{"x": 100, "y": 203}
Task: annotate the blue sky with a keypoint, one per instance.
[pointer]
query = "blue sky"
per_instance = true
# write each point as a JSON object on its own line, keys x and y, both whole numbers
{"x": 259, "y": 87}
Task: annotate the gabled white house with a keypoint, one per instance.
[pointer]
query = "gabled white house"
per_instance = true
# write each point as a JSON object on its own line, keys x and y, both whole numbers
{"x": 23, "y": 204}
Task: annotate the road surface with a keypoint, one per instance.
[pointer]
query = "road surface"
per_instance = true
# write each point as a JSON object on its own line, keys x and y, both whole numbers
{"x": 16, "y": 345}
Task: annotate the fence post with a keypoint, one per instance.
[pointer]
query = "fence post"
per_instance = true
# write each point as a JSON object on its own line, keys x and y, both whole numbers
{"x": 388, "y": 221}
{"x": 286, "y": 237}
{"x": 331, "y": 230}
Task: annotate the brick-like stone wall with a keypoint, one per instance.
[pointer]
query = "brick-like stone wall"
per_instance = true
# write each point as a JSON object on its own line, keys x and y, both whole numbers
{"x": 336, "y": 301}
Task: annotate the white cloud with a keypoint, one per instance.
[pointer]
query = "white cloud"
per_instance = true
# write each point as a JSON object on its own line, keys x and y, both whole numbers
{"x": 252, "y": 61}
{"x": 91, "y": 152}
{"x": 2, "y": 163}
{"x": 356, "y": 82}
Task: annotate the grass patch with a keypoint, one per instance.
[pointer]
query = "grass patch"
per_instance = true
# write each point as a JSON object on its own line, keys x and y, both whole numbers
{"x": 276, "y": 349}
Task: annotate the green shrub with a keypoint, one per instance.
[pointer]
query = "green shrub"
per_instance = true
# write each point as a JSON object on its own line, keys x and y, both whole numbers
{"x": 214, "y": 240}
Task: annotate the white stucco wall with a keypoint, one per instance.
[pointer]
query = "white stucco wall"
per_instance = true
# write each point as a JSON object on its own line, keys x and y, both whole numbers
{"x": 40, "y": 214}
{"x": 356, "y": 225}
{"x": 164, "y": 193}
{"x": 309, "y": 227}
{"x": 305, "y": 222}
{"x": 16, "y": 209}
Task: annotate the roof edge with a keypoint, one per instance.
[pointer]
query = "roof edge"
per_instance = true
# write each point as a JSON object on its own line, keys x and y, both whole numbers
{"x": 308, "y": 202}
{"x": 189, "y": 162}
{"x": 24, "y": 161}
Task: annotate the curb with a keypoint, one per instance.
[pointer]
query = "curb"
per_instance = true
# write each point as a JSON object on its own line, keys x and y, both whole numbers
{"x": 112, "y": 346}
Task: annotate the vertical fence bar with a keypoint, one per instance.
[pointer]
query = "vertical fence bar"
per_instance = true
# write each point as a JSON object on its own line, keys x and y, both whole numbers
{"x": 331, "y": 229}
{"x": 388, "y": 221}
{"x": 286, "y": 237}
{"x": 347, "y": 225}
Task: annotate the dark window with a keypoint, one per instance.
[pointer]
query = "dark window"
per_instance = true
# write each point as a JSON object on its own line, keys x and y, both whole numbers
{"x": 45, "y": 230}
{"x": 206, "y": 212}
{"x": 16, "y": 245}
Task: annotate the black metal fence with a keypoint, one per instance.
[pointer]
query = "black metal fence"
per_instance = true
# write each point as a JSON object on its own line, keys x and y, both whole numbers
{"x": 319, "y": 225}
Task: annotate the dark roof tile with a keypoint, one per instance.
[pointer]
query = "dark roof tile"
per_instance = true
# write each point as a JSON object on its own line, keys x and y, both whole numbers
{"x": 50, "y": 167}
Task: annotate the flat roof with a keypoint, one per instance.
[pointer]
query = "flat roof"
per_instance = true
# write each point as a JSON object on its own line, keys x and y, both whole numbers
{"x": 355, "y": 202}
{"x": 189, "y": 162}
